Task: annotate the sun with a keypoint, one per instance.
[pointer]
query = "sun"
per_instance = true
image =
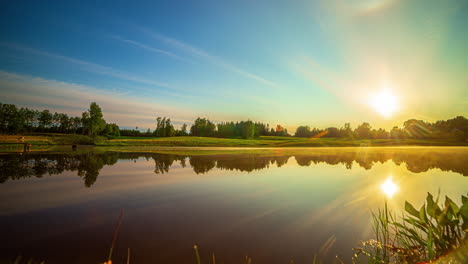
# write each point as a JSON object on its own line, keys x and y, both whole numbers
{"x": 384, "y": 102}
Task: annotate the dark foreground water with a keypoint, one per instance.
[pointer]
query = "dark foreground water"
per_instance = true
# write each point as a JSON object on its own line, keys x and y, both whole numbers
{"x": 273, "y": 206}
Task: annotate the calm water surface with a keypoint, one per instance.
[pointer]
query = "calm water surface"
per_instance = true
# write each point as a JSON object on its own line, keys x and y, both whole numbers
{"x": 274, "y": 206}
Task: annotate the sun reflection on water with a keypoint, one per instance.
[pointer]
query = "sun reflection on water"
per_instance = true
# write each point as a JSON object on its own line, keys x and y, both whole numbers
{"x": 389, "y": 188}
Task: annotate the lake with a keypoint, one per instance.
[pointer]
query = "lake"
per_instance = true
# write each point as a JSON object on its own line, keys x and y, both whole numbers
{"x": 273, "y": 205}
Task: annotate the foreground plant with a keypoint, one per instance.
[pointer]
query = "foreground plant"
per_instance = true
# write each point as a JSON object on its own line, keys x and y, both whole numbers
{"x": 436, "y": 233}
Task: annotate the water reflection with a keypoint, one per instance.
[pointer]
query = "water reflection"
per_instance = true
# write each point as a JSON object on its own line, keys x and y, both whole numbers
{"x": 230, "y": 204}
{"x": 389, "y": 188}
{"x": 88, "y": 165}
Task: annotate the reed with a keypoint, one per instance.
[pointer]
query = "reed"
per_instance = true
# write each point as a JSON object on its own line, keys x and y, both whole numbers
{"x": 435, "y": 232}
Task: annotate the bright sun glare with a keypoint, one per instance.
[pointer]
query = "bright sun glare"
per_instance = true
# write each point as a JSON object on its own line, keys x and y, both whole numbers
{"x": 389, "y": 188}
{"x": 384, "y": 102}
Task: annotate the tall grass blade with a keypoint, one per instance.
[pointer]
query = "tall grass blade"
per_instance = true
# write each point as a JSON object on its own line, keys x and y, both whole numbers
{"x": 116, "y": 232}
{"x": 197, "y": 255}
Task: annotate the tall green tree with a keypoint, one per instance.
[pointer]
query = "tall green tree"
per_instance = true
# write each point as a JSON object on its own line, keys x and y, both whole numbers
{"x": 93, "y": 121}
{"x": 169, "y": 128}
{"x": 247, "y": 129}
{"x": 203, "y": 127}
{"x": 164, "y": 128}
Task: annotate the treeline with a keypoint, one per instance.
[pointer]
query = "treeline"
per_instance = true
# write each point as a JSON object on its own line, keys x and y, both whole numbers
{"x": 15, "y": 120}
{"x": 203, "y": 127}
{"x": 455, "y": 128}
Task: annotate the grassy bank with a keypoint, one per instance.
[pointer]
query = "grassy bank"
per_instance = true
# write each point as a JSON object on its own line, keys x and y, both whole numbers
{"x": 267, "y": 141}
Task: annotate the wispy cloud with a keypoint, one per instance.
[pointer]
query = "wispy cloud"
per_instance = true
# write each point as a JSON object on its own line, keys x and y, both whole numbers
{"x": 149, "y": 48}
{"x": 93, "y": 67}
{"x": 73, "y": 99}
{"x": 124, "y": 109}
{"x": 197, "y": 52}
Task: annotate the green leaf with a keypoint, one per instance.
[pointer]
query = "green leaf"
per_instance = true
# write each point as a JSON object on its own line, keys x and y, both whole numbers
{"x": 464, "y": 199}
{"x": 430, "y": 205}
{"x": 430, "y": 242}
{"x": 442, "y": 219}
{"x": 433, "y": 208}
{"x": 422, "y": 214}
{"x": 464, "y": 212}
{"x": 410, "y": 209}
{"x": 449, "y": 203}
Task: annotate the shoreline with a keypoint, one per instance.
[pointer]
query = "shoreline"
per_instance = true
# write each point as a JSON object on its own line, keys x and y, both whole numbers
{"x": 47, "y": 140}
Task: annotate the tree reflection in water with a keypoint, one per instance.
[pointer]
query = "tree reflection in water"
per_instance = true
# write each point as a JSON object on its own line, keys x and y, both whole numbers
{"x": 88, "y": 165}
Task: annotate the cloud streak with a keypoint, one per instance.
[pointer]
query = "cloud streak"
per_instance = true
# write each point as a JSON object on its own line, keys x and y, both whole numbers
{"x": 93, "y": 67}
{"x": 73, "y": 99}
{"x": 151, "y": 49}
{"x": 210, "y": 58}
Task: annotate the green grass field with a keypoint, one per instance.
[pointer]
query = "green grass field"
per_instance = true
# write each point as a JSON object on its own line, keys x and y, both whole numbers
{"x": 271, "y": 142}
{"x": 267, "y": 141}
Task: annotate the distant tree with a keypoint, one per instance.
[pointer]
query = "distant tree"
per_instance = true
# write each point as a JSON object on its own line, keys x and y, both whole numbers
{"x": 417, "y": 128}
{"x": 111, "y": 130}
{"x": 85, "y": 121}
{"x": 45, "y": 119}
{"x": 182, "y": 131}
{"x": 203, "y": 127}
{"x": 397, "y": 133}
{"x": 29, "y": 118}
{"x": 63, "y": 122}
{"x": 303, "y": 131}
{"x": 157, "y": 130}
{"x": 247, "y": 129}
{"x": 10, "y": 120}
{"x": 226, "y": 129}
{"x": 93, "y": 121}
{"x": 332, "y": 132}
{"x": 261, "y": 129}
{"x": 131, "y": 133}
{"x": 279, "y": 128}
{"x": 380, "y": 133}
{"x": 164, "y": 128}
{"x": 281, "y": 131}
{"x": 363, "y": 131}
{"x": 272, "y": 132}
{"x": 76, "y": 124}
{"x": 169, "y": 128}
{"x": 346, "y": 131}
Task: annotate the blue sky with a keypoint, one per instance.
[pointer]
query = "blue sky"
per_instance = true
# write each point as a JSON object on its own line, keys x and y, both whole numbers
{"x": 283, "y": 62}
